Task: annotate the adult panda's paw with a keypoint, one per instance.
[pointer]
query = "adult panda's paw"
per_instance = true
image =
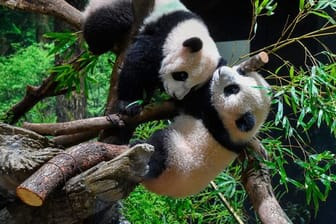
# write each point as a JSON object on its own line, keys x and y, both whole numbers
{"x": 130, "y": 108}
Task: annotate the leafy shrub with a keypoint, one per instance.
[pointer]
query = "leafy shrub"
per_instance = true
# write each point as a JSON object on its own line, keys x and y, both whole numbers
{"x": 28, "y": 66}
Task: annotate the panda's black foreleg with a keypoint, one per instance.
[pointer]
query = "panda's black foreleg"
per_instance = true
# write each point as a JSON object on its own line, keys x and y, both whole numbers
{"x": 139, "y": 76}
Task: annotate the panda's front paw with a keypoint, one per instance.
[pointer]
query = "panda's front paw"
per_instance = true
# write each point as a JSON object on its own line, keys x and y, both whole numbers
{"x": 130, "y": 108}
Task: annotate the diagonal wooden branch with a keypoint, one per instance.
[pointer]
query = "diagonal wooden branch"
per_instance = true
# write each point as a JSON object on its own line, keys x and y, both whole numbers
{"x": 257, "y": 182}
{"x": 32, "y": 97}
{"x": 35, "y": 94}
{"x": 58, "y": 8}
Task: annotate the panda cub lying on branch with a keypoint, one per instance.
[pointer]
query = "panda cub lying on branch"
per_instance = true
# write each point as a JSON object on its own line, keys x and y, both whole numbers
{"x": 214, "y": 125}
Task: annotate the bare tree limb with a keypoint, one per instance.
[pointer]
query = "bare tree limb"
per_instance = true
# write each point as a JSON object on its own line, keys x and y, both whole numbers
{"x": 32, "y": 97}
{"x": 72, "y": 127}
{"x": 74, "y": 132}
{"x": 257, "y": 182}
{"x": 58, "y": 8}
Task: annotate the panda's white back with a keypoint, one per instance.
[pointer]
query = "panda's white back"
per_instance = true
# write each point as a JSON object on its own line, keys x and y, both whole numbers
{"x": 194, "y": 159}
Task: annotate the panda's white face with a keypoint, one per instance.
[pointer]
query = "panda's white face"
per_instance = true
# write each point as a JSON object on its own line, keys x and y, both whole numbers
{"x": 188, "y": 59}
{"x": 235, "y": 95}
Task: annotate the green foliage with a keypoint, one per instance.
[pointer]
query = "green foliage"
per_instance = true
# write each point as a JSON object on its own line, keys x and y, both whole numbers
{"x": 261, "y": 8}
{"x": 305, "y": 99}
{"x": 17, "y": 29}
{"x": 317, "y": 177}
{"x": 28, "y": 66}
{"x": 205, "y": 207}
{"x": 311, "y": 94}
{"x": 318, "y": 8}
{"x": 264, "y": 7}
{"x": 82, "y": 68}
{"x": 145, "y": 130}
{"x": 97, "y": 84}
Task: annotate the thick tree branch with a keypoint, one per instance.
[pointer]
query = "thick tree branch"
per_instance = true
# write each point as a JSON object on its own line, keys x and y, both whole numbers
{"x": 58, "y": 8}
{"x": 152, "y": 112}
{"x": 60, "y": 168}
{"x": 257, "y": 182}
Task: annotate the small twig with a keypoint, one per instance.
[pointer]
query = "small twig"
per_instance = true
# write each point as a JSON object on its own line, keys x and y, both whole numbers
{"x": 226, "y": 203}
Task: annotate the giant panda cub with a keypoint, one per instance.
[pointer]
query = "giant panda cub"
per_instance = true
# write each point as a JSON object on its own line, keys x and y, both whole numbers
{"x": 215, "y": 124}
{"x": 173, "y": 49}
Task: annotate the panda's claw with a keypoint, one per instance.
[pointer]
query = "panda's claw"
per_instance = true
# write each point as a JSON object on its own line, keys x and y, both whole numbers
{"x": 129, "y": 108}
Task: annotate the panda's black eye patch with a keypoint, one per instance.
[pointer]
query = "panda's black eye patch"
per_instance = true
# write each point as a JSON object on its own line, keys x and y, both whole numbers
{"x": 241, "y": 72}
{"x": 180, "y": 76}
{"x": 231, "y": 89}
{"x": 246, "y": 122}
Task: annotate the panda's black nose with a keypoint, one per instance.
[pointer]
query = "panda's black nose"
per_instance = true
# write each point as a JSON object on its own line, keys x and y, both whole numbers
{"x": 231, "y": 89}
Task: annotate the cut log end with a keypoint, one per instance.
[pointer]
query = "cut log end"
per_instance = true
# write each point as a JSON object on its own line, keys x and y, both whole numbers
{"x": 29, "y": 197}
{"x": 254, "y": 63}
{"x": 263, "y": 57}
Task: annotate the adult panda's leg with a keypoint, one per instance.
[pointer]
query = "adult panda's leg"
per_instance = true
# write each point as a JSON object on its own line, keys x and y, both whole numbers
{"x": 106, "y": 24}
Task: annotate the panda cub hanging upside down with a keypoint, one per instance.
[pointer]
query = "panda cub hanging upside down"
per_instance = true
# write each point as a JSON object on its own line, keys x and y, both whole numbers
{"x": 173, "y": 49}
{"x": 215, "y": 124}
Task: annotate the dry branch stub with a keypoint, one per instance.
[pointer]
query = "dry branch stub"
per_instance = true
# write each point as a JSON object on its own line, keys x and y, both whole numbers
{"x": 109, "y": 180}
{"x": 56, "y": 171}
{"x": 254, "y": 63}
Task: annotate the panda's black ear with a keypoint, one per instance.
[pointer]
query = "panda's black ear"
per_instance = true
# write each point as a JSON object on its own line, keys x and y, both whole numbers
{"x": 195, "y": 44}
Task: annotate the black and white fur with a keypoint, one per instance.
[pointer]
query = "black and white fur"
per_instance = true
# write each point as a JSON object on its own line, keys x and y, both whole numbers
{"x": 172, "y": 51}
{"x": 216, "y": 123}
{"x": 106, "y": 23}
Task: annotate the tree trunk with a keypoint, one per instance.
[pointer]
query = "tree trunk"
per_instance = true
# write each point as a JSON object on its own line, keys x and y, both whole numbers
{"x": 43, "y": 26}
